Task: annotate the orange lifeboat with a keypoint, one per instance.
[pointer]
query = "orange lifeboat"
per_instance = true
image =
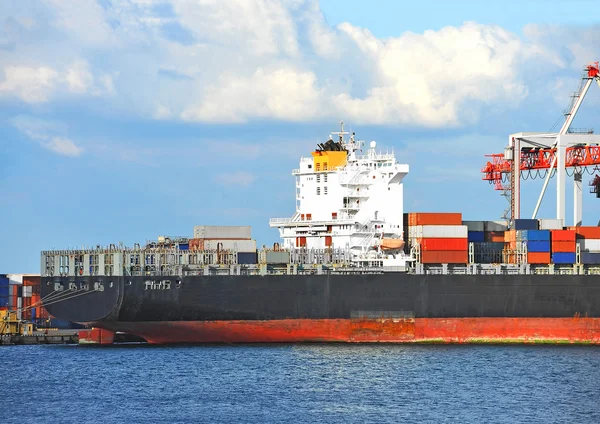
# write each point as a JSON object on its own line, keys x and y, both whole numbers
{"x": 391, "y": 244}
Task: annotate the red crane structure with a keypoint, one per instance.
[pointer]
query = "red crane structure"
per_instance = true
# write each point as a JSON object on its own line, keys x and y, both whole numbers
{"x": 549, "y": 153}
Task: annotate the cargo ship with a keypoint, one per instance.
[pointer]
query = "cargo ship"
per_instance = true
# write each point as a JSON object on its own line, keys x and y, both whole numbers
{"x": 350, "y": 267}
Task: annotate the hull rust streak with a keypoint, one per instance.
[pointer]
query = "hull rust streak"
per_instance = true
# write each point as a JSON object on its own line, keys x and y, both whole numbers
{"x": 419, "y": 330}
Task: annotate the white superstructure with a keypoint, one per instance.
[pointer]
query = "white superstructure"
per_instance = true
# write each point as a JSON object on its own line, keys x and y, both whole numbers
{"x": 349, "y": 199}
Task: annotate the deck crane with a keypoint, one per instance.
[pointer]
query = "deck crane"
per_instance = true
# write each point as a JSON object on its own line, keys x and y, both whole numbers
{"x": 549, "y": 151}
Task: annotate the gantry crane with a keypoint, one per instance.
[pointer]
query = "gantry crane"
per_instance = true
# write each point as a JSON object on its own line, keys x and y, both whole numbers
{"x": 552, "y": 152}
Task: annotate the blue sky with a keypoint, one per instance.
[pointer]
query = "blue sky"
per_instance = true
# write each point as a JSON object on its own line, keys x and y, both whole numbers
{"x": 122, "y": 121}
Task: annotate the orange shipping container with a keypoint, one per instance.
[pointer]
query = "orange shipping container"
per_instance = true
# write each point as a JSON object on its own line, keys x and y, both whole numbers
{"x": 31, "y": 280}
{"x": 433, "y": 218}
{"x": 563, "y": 246}
{"x": 512, "y": 245}
{"x": 494, "y": 236}
{"x": 588, "y": 232}
{"x": 510, "y": 236}
{"x": 444, "y": 244}
{"x": 538, "y": 258}
{"x": 444, "y": 257}
{"x": 562, "y": 235}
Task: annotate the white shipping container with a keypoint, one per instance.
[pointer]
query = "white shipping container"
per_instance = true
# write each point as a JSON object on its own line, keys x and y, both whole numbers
{"x": 438, "y": 231}
{"x": 237, "y": 245}
{"x": 19, "y": 307}
{"x": 222, "y": 232}
{"x": 27, "y": 291}
{"x": 550, "y": 224}
{"x": 15, "y": 278}
{"x": 589, "y": 245}
{"x": 474, "y": 225}
{"x": 496, "y": 226}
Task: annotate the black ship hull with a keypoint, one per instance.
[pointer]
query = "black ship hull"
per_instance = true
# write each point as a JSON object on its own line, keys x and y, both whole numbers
{"x": 391, "y": 306}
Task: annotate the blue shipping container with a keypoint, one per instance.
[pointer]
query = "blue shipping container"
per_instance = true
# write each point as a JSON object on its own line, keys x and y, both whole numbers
{"x": 4, "y": 281}
{"x": 538, "y": 246}
{"x": 535, "y": 235}
{"x": 4, "y": 291}
{"x": 184, "y": 246}
{"x": 526, "y": 224}
{"x": 475, "y": 236}
{"x": 563, "y": 258}
{"x": 588, "y": 258}
{"x": 32, "y": 314}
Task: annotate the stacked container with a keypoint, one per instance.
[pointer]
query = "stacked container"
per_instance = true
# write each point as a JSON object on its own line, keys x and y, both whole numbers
{"x": 24, "y": 297}
{"x": 538, "y": 245}
{"x": 588, "y": 239}
{"x": 488, "y": 240}
{"x": 4, "y": 292}
{"x": 225, "y": 238}
{"x": 441, "y": 236}
{"x": 563, "y": 247}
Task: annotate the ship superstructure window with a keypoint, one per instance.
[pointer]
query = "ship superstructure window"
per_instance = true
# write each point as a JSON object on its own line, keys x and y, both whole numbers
{"x": 318, "y": 178}
{"x": 318, "y": 191}
{"x": 325, "y": 178}
{"x": 325, "y": 190}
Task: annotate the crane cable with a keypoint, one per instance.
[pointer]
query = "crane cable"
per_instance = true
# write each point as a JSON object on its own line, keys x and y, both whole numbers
{"x": 56, "y": 297}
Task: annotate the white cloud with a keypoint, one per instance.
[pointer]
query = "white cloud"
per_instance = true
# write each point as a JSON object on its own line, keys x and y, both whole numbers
{"x": 48, "y": 134}
{"x": 62, "y": 146}
{"x": 239, "y": 178}
{"x": 243, "y": 60}
{"x": 32, "y": 85}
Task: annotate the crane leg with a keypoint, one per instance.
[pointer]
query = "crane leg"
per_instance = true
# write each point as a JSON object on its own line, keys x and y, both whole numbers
{"x": 577, "y": 199}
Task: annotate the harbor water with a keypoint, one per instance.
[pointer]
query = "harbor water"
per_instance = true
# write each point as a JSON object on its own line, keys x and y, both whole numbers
{"x": 300, "y": 384}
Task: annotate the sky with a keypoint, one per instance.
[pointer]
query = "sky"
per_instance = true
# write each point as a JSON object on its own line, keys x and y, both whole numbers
{"x": 124, "y": 120}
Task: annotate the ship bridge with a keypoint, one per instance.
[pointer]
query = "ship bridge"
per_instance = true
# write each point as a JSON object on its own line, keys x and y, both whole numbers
{"x": 346, "y": 199}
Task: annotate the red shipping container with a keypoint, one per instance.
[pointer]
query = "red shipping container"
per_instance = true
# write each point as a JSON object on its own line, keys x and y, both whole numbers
{"x": 494, "y": 236}
{"x": 538, "y": 258}
{"x": 434, "y": 218}
{"x": 562, "y": 235}
{"x": 587, "y": 232}
{"x": 196, "y": 244}
{"x": 444, "y": 257}
{"x": 444, "y": 244}
{"x": 563, "y": 246}
{"x": 31, "y": 280}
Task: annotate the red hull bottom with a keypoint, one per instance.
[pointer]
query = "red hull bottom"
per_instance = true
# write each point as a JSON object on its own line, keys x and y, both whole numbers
{"x": 419, "y": 330}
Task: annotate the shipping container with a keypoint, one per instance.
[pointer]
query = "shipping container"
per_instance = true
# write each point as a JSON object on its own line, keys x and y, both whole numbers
{"x": 15, "y": 278}
{"x": 538, "y": 246}
{"x": 246, "y": 258}
{"x": 494, "y": 246}
{"x": 563, "y": 235}
{"x": 563, "y": 258}
{"x": 444, "y": 257}
{"x": 564, "y": 246}
{"x": 438, "y": 231}
{"x": 587, "y": 232}
{"x": 589, "y": 258}
{"x": 476, "y": 236}
{"x": 478, "y": 226}
{"x": 4, "y": 291}
{"x": 222, "y": 232}
{"x": 27, "y": 291}
{"x": 533, "y": 235}
{"x": 551, "y": 224}
{"x": 4, "y": 303}
{"x": 273, "y": 257}
{"x": 4, "y": 281}
{"x": 589, "y": 245}
{"x": 495, "y": 226}
{"x": 234, "y": 245}
{"x": 538, "y": 258}
{"x": 510, "y": 236}
{"x": 494, "y": 236}
{"x": 443, "y": 244}
{"x": 31, "y": 280}
{"x": 432, "y": 218}
{"x": 526, "y": 224}
{"x": 184, "y": 246}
